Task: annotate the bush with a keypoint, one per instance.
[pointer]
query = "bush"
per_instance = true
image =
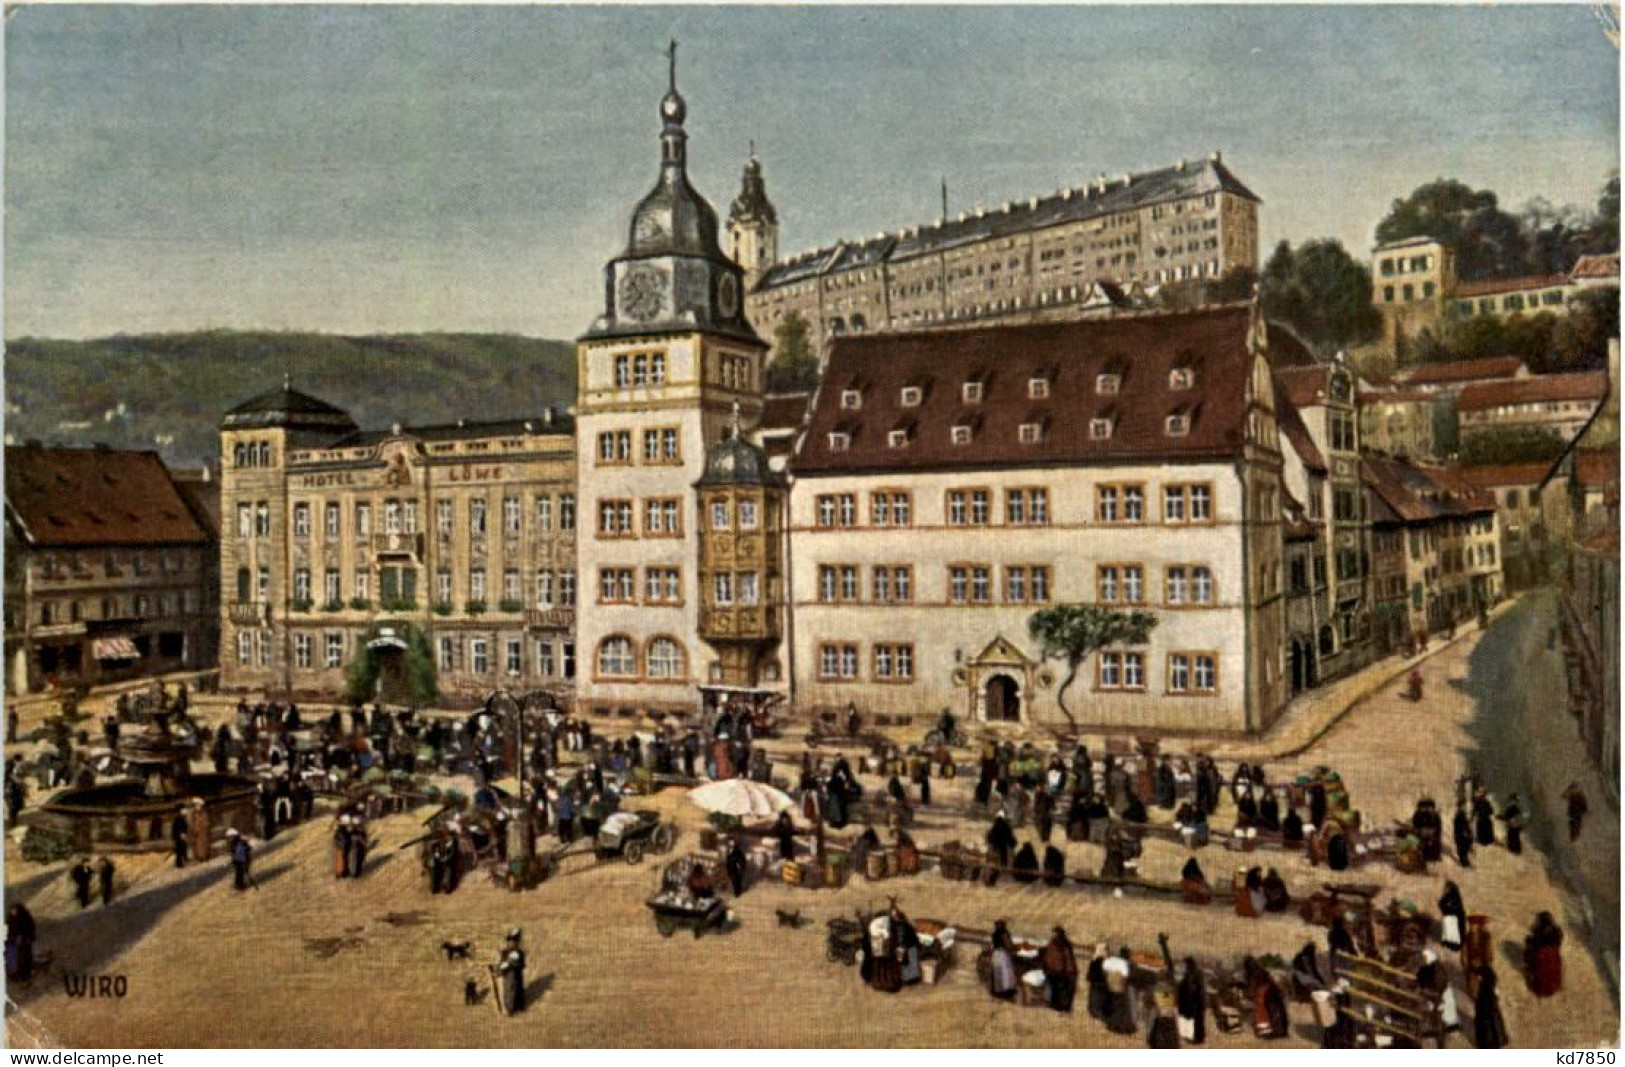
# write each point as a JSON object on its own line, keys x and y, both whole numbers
{"x": 474, "y": 607}
{"x": 442, "y": 607}
{"x": 360, "y": 603}
{"x": 511, "y": 605}
{"x": 46, "y": 846}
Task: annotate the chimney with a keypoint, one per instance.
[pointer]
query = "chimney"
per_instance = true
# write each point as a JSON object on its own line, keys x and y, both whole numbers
{"x": 547, "y": 416}
{"x": 1100, "y": 183}
{"x": 1180, "y": 166}
{"x": 1216, "y": 156}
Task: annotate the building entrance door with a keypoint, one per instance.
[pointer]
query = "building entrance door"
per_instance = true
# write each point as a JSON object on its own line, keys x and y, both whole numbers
{"x": 1003, "y": 699}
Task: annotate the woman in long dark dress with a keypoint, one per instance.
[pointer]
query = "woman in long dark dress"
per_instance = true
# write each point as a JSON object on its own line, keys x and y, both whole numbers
{"x": 1191, "y": 1001}
{"x": 1099, "y": 999}
{"x": 1543, "y": 956}
{"x": 1452, "y": 917}
{"x": 1269, "y": 1006}
{"x": 785, "y": 831}
{"x": 1489, "y": 1029}
{"x": 1060, "y": 966}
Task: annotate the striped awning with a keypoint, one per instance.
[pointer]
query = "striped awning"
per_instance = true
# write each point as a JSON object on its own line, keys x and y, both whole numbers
{"x": 116, "y": 648}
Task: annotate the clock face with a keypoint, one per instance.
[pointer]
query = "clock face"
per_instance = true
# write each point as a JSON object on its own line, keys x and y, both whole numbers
{"x": 727, "y": 296}
{"x": 643, "y": 293}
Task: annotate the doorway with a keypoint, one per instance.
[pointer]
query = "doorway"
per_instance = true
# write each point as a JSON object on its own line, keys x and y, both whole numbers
{"x": 1003, "y": 699}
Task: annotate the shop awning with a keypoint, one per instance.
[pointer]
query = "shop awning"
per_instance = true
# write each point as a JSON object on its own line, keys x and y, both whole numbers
{"x": 116, "y": 648}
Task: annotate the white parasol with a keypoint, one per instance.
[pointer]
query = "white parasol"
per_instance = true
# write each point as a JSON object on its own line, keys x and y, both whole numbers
{"x": 742, "y": 798}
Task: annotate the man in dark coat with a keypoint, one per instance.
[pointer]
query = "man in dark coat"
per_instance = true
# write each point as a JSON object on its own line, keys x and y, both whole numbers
{"x": 179, "y": 838}
{"x": 1489, "y": 1029}
{"x": 104, "y": 874}
{"x": 1484, "y": 818}
{"x": 1462, "y": 828}
{"x": 1577, "y": 809}
{"x": 1001, "y": 840}
{"x": 510, "y": 968}
{"x": 1190, "y": 1000}
{"x": 242, "y": 855}
{"x": 20, "y": 935}
{"x": 1512, "y": 815}
{"x": 736, "y": 867}
{"x": 82, "y": 876}
{"x": 1044, "y": 814}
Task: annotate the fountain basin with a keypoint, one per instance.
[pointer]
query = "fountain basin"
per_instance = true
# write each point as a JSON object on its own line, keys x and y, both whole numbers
{"x": 121, "y": 816}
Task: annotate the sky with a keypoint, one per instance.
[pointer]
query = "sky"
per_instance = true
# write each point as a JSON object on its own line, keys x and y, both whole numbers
{"x": 366, "y": 170}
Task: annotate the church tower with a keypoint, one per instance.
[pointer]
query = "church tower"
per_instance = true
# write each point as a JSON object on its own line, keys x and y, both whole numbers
{"x": 659, "y": 374}
{"x": 753, "y": 225}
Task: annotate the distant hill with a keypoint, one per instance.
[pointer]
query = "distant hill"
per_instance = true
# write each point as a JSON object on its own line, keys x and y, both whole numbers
{"x": 169, "y": 391}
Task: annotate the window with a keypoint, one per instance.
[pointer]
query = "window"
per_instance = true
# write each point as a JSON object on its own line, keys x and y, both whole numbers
{"x": 616, "y": 658}
{"x": 476, "y": 585}
{"x": 615, "y": 585}
{"x": 301, "y": 651}
{"x": 722, "y": 590}
{"x": 567, "y": 511}
{"x": 890, "y": 508}
{"x": 512, "y": 517}
{"x": 510, "y": 585}
{"x": 614, "y": 518}
{"x": 747, "y": 589}
{"x": 1100, "y": 429}
{"x": 662, "y": 517}
{"x": 892, "y": 584}
{"x": 851, "y": 399}
{"x": 567, "y": 590}
{"x": 363, "y": 520}
{"x": 1181, "y": 378}
{"x": 1030, "y": 433}
{"x": 330, "y": 520}
{"x": 1038, "y": 387}
{"x": 332, "y": 587}
{"x": 476, "y": 517}
{"x": 1108, "y": 384}
{"x": 972, "y": 392}
{"x": 960, "y": 434}
{"x": 662, "y": 585}
{"x": 838, "y": 509}
{"x": 1120, "y": 583}
{"x": 479, "y": 660}
{"x": 980, "y": 584}
{"x": 1343, "y": 432}
{"x": 1026, "y": 585}
{"x": 245, "y": 648}
{"x": 443, "y": 521}
{"x": 442, "y": 587}
{"x": 837, "y": 662}
{"x": 1177, "y": 424}
{"x": 262, "y": 520}
{"x": 899, "y": 438}
{"x": 546, "y": 665}
{"x": 748, "y": 517}
{"x": 1189, "y": 584}
{"x": 660, "y": 445}
{"x": 544, "y": 514}
{"x": 912, "y": 395}
{"x": 664, "y": 658}
{"x": 894, "y": 663}
{"x": 301, "y": 585}
{"x": 1026, "y": 507}
{"x": 1345, "y": 506}
{"x": 392, "y": 516}
{"x": 1121, "y": 670}
{"x": 1120, "y": 503}
{"x": 301, "y": 520}
{"x": 334, "y": 650}
{"x": 839, "y": 441}
{"x": 544, "y": 589}
{"x": 615, "y": 448}
{"x": 719, "y": 514}
{"x": 245, "y": 520}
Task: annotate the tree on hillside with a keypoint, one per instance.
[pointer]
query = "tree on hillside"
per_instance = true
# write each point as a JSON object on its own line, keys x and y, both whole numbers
{"x": 1488, "y": 241}
{"x": 1074, "y": 632}
{"x": 1602, "y": 235}
{"x": 794, "y": 368}
{"x": 1322, "y": 292}
{"x": 1519, "y": 445}
{"x": 1580, "y": 338}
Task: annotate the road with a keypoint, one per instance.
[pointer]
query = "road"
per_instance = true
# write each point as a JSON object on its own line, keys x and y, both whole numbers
{"x": 308, "y": 960}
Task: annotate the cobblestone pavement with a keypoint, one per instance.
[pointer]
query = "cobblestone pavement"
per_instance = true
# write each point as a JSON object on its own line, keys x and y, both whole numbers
{"x": 307, "y": 960}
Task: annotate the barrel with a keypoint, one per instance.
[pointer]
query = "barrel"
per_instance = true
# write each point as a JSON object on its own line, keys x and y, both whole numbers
{"x": 792, "y": 872}
{"x": 874, "y": 866}
{"x": 835, "y": 869}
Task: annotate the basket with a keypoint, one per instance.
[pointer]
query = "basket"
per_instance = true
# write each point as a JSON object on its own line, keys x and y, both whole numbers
{"x": 792, "y": 872}
{"x": 874, "y": 866}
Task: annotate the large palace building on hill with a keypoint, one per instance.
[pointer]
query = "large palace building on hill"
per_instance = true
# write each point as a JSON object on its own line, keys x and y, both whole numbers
{"x": 684, "y": 539}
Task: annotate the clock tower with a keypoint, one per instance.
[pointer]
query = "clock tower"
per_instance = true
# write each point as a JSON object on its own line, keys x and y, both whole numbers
{"x": 659, "y": 375}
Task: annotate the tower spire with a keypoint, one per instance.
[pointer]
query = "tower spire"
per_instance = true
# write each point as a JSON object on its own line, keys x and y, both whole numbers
{"x": 671, "y": 53}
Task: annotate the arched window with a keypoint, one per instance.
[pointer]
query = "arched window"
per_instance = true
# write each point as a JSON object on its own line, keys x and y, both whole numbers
{"x": 244, "y": 585}
{"x": 265, "y": 454}
{"x": 239, "y": 456}
{"x": 859, "y": 323}
{"x": 837, "y": 326}
{"x": 616, "y": 658}
{"x": 664, "y": 658}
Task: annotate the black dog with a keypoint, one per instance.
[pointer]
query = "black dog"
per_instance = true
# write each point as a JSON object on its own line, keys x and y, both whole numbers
{"x": 792, "y": 919}
{"x": 471, "y": 992}
{"x": 455, "y": 950}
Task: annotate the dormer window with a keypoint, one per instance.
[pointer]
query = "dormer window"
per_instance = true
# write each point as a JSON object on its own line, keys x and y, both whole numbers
{"x": 1178, "y": 424}
{"x": 961, "y": 435}
{"x": 1038, "y": 387}
{"x": 1108, "y": 384}
{"x": 851, "y": 399}
{"x": 1100, "y": 429}
{"x": 1181, "y": 378}
{"x": 912, "y": 396}
{"x": 972, "y": 392}
{"x": 898, "y": 439}
{"x": 839, "y": 441}
{"x": 1031, "y": 432}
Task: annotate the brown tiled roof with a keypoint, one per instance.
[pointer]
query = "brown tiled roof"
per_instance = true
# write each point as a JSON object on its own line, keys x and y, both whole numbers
{"x": 1416, "y": 493}
{"x": 1293, "y": 429}
{"x": 1592, "y": 385}
{"x": 1213, "y": 342}
{"x": 1463, "y": 370}
{"x": 86, "y": 497}
{"x": 1305, "y": 386}
{"x": 202, "y": 491}
{"x": 783, "y": 411}
{"x": 1492, "y": 476}
{"x": 1596, "y": 267}
{"x": 1488, "y": 286}
{"x": 1596, "y": 466}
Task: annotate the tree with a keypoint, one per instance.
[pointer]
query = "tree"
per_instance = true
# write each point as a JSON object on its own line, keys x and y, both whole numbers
{"x": 1322, "y": 292}
{"x": 1602, "y": 235}
{"x": 1488, "y": 241}
{"x": 1580, "y": 339}
{"x": 1524, "y": 444}
{"x": 1074, "y": 632}
{"x": 361, "y": 676}
{"x": 794, "y": 368}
